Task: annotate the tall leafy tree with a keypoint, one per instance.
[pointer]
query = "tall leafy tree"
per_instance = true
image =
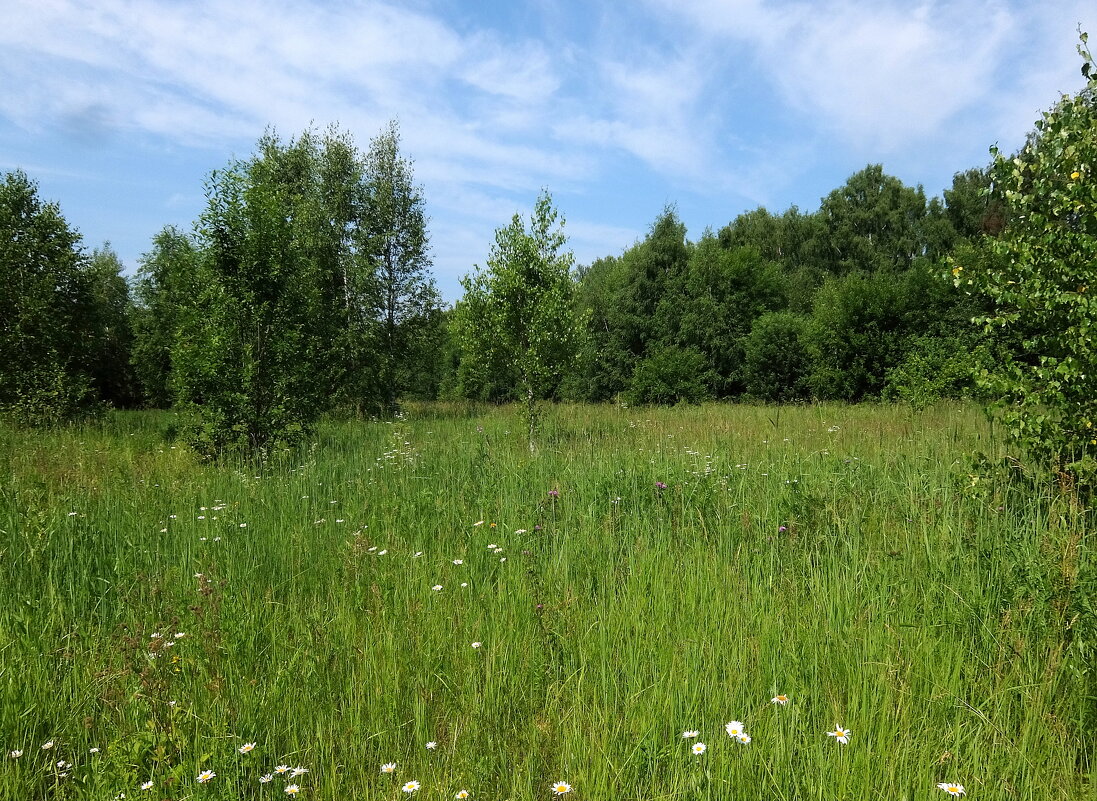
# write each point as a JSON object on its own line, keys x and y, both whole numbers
{"x": 111, "y": 331}
{"x": 1040, "y": 275}
{"x": 518, "y": 312}
{"x": 259, "y": 354}
{"x": 47, "y": 309}
{"x": 395, "y": 241}
{"x": 167, "y": 283}
{"x": 874, "y": 222}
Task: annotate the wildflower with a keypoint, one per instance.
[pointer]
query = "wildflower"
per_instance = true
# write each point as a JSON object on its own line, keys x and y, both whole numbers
{"x": 46, "y": 746}
{"x": 205, "y": 776}
{"x": 432, "y": 745}
{"x": 16, "y": 754}
{"x": 519, "y": 531}
{"x": 298, "y": 771}
{"x": 243, "y": 525}
{"x": 952, "y": 788}
{"x": 292, "y": 789}
{"x": 561, "y": 787}
{"x": 93, "y": 750}
{"x": 147, "y": 785}
{"x": 458, "y": 561}
{"x": 388, "y": 767}
{"x": 464, "y": 583}
{"x": 491, "y": 525}
{"x": 437, "y": 587}
{"x": 689, "y": 734}
{"x": 839, "y": 734}
{"x": 492, "y": 546}
{"x": 477, "y": 644}
{"x": 699, "y": 748}
{"x": 246, "y": 748}
{"x": 180, "y": 635}
{"x": 735, "y": 728}
{"x": 383, "y": 551}
{"x": 554, "y": 493}
{"x": 478, "y": 523}
{"x": 461, "y": 795}
{"x": 281, "y": 769}
{"x": 266, "y": 778}
{"x": 743, "y": 738}
{"x": 410, "y": 787}
{"x": 779, "y": 699}
{"x": 659, "y": 485}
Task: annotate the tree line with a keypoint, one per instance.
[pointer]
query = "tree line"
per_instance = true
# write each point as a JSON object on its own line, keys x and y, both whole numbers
{"x": 305, "y": 286}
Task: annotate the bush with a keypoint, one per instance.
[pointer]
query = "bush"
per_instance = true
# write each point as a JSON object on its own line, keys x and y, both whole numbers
{"x": 670, "y": 375}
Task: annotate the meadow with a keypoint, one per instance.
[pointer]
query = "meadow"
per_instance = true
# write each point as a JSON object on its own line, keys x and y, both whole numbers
{"x": 425, "y": 595}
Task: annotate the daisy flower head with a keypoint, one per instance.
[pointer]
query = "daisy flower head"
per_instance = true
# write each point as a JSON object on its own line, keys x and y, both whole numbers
{"x": 93, "y": 750}
{"x": 432, "y": 745}
{"x": 388, "y": 767}
{"x": 952, "y": 788}
{"x": 16, "y": 754}
{"x": 282, "y": 769}
{"x": 147, "y": 785}
{"x": 461, "y": 795}
{"x": 205, "y": 776}
{"x": 477, "y": 644}
{"x": 458, "y": 561}
{"x": 743, "y": 738}
{"x": 292, "y": 789}
{"x": 437, "y": 588}
{"x": 410, "y": 787}
{"x": 246, "y": 748}
{"x": 298, "y": 771}
{"x": 735, "y": 728}
{"x": 839, "y": 734}
{"x": 46, "y": 746}
{"x": 561, "y": 788}
{"x": 266, "y": 778}
{"x": 780, "y": 700}
{"x": 699, "y": 748}
{"x": 689, "y": 734}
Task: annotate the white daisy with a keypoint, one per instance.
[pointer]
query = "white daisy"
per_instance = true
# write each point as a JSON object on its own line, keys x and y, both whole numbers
{"x": 781, "y": 700}
{"x": 840, "y": 734}
{"x": 410, "y": 787}
{"x": 699, "y": 748}
{"x": 292, "y": 789}
{"x": 246, "y": 748}
{"x": 432, "y": 745}
{"x": 689, "y": 734}
{"x": 388, "y": 767}
{"x": 734, "y": 728}
{"x": 205, "y": 776}
{"x": 461, "y": 795}
{"x": 953, "y": 789}
{"x": 146, "y": 785}
{"x": 298, "y": 771}
{"x": 560, "y": 788}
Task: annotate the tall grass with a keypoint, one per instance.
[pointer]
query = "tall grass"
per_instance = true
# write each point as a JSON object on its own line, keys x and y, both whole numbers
{"x": 842, "y": 556}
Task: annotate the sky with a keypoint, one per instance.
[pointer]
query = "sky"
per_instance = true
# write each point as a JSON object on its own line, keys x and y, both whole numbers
{"x": 119, "y": 109}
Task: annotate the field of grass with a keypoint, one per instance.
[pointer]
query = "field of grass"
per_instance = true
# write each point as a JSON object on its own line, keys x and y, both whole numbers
{"x": 560, "y": 617}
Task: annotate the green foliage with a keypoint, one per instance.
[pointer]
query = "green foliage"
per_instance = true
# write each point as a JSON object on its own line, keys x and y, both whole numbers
{"x": 672, "y": 374}
{"x": 111, "y": 336}
{"x": 937, "y": 367}
{"x": 394, "y": 240}
{"x": 261, "y": 351}
{"x": 518, "y": 314}
{"x": 1040, "y": 276}
{"x": 711, "y": 307}
{"x": 48, "y": 315}
{"x": 167, "y": 283}
{"x": 873, "y": 222}
{"x": 856, "y": 335}
{"x": 776, "y": 362}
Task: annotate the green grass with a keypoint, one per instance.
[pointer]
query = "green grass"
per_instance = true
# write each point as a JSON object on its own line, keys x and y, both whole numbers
{"x": 840, "y": 555}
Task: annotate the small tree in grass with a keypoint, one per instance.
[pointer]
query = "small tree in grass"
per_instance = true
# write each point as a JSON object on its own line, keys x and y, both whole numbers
{"x": 1041, "y": 276}
{"x": 518, "y": 313}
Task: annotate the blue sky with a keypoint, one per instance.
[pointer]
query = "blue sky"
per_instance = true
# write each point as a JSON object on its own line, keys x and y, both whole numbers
{"x": 120, "y": 108}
